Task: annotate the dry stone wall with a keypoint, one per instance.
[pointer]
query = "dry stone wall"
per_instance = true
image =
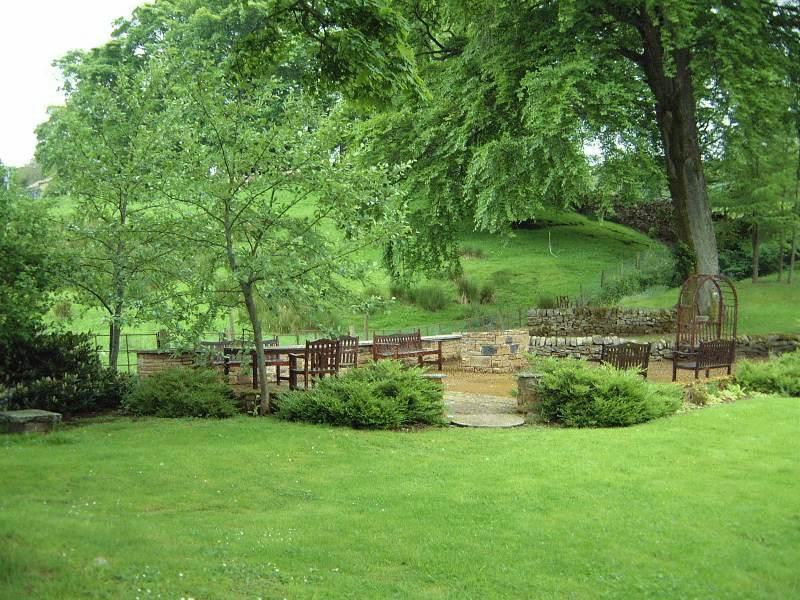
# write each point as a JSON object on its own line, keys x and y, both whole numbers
{"x": 154, "y": 361}
{"x": 494, "y": 351}
{"x": 599, "y": 321}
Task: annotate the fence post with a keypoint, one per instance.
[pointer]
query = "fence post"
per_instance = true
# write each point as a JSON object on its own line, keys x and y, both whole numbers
{"x": 127, "y": 354}
{"x": 638, "y": 261}
{"x": 602, "y": 278}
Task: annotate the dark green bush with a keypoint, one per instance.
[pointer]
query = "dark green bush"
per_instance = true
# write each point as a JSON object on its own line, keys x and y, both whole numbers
{"x": 382, "y": 395}
{"x": 399, "y": 290}
{"x": 501, "y": 277}
{"x": 546, "y": 301}
{"x": 777, "y": 376}
{"x": 468, "y": 290}
{"x": 486, "y": 295}
{"x": 60, "y": 372}
{"x": 576, "y": 395}
{"x": 471, "y": 251}
{"x": 430, "y": 296}
{"x": 181, "y": 392}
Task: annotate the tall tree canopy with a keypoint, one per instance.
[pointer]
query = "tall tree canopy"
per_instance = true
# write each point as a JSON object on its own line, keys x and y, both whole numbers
{"x": 98, "y": 147}
{"x": 519, "y": 89}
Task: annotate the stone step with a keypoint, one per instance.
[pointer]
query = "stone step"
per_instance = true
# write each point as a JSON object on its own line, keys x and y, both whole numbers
{"x": 23, "y": 421}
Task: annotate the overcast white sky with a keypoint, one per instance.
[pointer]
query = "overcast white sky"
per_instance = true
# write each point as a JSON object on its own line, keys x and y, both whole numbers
{"x": 33, "y": 33}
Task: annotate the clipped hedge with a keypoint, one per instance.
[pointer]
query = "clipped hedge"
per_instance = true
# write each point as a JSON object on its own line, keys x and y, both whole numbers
{"x": 573, "y": 394}
{"x": 181, "y": 392}
{"x": 381, "y": 395}
{"x": 777, "y": 376}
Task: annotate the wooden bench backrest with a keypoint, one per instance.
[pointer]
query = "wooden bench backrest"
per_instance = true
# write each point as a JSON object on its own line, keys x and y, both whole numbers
{"x": 716, "y": 353}
{"x": 322, "y": 356}
{"x": 348, "y": 351}
{"x": 627, "y": 356}
{"x": 405, "y": 341}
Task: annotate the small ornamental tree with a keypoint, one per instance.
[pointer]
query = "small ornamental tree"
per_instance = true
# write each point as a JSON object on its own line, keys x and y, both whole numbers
{"x": 98, "y": 149}
{"x": 263, "y": 189}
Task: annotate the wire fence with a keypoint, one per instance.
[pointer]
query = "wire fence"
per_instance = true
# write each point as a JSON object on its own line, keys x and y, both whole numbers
{"x": 131, "y": 343}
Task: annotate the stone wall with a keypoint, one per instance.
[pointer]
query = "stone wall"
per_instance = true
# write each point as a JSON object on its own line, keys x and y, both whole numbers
{"x": 589, "y": 347}
{"x": 495, "y": 351}
{"x": 153, "y": 361}
{"x": 599, "y": 321}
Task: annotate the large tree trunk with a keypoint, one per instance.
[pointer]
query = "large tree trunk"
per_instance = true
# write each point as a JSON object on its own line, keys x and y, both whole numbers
{"x": 677, "y": 123}
{"x": 258, "y": 339}
{"x": 756, "y": 241}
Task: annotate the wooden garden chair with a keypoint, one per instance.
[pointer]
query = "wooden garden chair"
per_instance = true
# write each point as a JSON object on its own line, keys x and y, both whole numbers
{"x": 320, "y": 358}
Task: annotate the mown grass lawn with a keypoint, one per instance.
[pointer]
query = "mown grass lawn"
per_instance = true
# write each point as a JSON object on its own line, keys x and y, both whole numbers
{"x": 702, "y": 505}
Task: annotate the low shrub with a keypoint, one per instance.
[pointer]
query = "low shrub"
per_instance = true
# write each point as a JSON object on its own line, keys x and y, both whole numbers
{"x": 486, "y": 294}
{"x": 60, "y": 372}
{"x": 501, "y": 277}
{"x": 430, "y": 296}
{"x": 468, "y": 290}
{"x": 380, "y": 395}
{"x": 574, "y": 394}
{"x": 778, "y": 376}
{"x": 700, "y": 393}
{"x": 471, "y": 251}
{"x": 181, "y": 392}
{"x": 546, "y": 301}
{"x": 399, "y": 290}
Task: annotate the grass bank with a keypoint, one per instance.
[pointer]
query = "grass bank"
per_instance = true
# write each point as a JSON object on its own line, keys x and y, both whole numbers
{"x": 700, "y": 505}
{"x": 765, "y": 307}
{"x": 564, "y": 254}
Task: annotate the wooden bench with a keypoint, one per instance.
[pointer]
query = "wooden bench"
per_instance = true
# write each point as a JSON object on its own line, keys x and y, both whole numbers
{"x": 405, "y": 345}
{"x": 716, "y": 354}
{"x": 627, "y": 355}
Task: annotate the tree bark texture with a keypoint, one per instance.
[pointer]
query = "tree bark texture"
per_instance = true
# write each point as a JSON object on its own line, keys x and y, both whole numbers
{"x": 113, "y": 343}
{"x": 756, "y": 241}
{"x": 677, "y": 122}
{"x": 258, "y": 339}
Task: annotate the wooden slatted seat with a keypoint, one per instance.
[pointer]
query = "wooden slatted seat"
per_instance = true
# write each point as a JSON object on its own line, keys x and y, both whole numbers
{"x": 320, "y": 358}
{"x": 715, "y": 354}
{"x": 627, "y": 355}
{"x": 405, "y": 345}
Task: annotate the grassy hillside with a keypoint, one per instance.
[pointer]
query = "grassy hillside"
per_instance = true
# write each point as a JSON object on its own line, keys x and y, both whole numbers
{"x": 563, "y": 255}
{"x": 766, "y": 307}
{"x": 249, "y": 508}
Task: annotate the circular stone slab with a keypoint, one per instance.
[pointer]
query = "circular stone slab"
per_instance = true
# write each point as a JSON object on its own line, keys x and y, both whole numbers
{"x": 486, "y": 420}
